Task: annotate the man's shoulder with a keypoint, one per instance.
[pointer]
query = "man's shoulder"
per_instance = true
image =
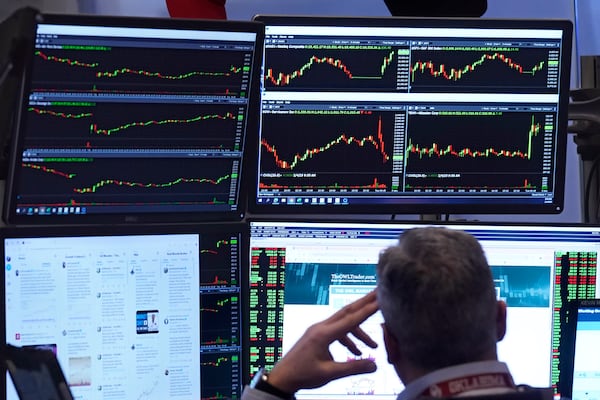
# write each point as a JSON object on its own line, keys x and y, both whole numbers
{"x": 523, "y": 392}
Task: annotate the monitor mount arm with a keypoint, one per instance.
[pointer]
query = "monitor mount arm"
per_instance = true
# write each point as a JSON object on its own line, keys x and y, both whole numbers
{"x": 584, "y": 114}
{"x": 5, "y": 70}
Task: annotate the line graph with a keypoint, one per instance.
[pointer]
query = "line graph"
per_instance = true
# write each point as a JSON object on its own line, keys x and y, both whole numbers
{"x": 339, "y": 69}
{"x": 323, "y": 151}
{"x": 522, "y": 70}
{"x": 220, "y": 246}
{"x": 109, "y": 131}
{"x": 453, "y": 74}
{"x": 65, "y": 60}
{"x": 288, "y": 159}
{"x": 282, "y": 79}
{"x": 137, "y": 125}
{"x": 151, "y": 185}
{"x": 123, "y": 182}
{"x": 375, "y": 140}
{"x": 219, "y": 257}
{"x": 128, "y": 71}
{"x": 220, "y": 361}
{"x": 49, "y": 170}
{"x": 220, "y": 310}
{"x": 220, "y": 374}
{"x": 436, "y": 151}
{"x": 504, "y": 151}
{"x": 220, "y": 304}
{"x": 40, "y": 111}
{"x": 123, "y": 69}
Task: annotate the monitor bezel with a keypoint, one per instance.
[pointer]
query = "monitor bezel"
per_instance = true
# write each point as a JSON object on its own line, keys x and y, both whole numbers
{"x": 223, "y": 227}
{"x": 470, "y": 226}
{"x": 429, "y": 205}
{"x": 568, "y": 340}
{"x": 16, "y": 141}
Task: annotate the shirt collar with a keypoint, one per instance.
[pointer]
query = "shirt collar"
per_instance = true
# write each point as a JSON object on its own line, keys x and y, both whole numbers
{"x": 418, "y": 386}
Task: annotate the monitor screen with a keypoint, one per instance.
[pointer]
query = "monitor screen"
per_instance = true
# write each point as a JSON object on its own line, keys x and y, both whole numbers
{"x": 301, "y": 272}
{"x": 134, "y": 119}
{"x": 148, "y": 312}
{"x": 390, "y": 115}
{"x": 580, "y": 356}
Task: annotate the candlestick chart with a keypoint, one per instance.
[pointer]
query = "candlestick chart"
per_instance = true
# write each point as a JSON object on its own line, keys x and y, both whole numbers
{"x": 326, "y": 151}
{"x": 336, "y": 68}
{"x": 220, "y": 261}
{"x": 220, "y": 312}
{"x": 220, "y": 374}
{"x": 506, "y": 70}
{"x": 100, "y": 181}
{"x": 94, "y": 125}
{"x": 220, "y": 320}
{"x": 135, "y": 125}
{"x": 448, "y": 152}
{"x": 113, "y": 70}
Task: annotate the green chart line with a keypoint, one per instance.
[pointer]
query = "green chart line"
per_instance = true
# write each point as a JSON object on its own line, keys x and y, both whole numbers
{"x": 107, "y": 182}
{"x": 284, "y": 79}
{"x": 128, "y": 71}
{"x": 436, "y": 151}
{"x": 107, "y": 132}
{"x": 59, "y": 114}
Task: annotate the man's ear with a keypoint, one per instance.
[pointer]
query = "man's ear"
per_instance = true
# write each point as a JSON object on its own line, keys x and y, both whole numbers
{"x": 391, "y": 345}
{"x": 500, "y": 320}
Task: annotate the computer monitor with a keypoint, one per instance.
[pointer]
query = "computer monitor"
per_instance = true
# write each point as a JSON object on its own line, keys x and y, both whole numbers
{"x": 301, "y": 272}
{"x": 134, "y": 119}
{"x": 412, "y": 116}
{"x": 149, "y": 311}
{"x": 580, "y": 355}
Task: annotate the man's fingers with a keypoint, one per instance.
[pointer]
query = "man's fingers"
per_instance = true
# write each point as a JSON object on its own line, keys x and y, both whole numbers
{"x": 359, "y": 334}
{"x": 355, "y": 367}
{"x": 362, "y": 335}
{"x": 352, "y": 315}
{"x": 350, "y": 345}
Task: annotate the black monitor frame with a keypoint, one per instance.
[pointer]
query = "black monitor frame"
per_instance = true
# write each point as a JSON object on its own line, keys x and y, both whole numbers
{"x": 216, "y": 248}
{"x": 352, "y": 189}
{"x": 282, "y": 240}
{"x": 90, "y": 146}
{"x": 568, "y": 339}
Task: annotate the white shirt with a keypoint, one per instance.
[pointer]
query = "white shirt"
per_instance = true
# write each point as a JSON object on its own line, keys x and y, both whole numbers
{"x": 418, "y": 386}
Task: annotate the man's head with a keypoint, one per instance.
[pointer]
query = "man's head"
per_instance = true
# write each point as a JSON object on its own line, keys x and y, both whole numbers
{"x": 437, "y": 297}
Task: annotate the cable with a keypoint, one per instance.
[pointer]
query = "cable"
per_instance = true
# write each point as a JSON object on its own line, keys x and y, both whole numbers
{"x": 588, "y": 188}
{"x": 5, "y": 71}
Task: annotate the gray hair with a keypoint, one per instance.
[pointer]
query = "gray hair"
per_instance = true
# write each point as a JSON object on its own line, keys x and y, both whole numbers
{"x": 437, "y": 297}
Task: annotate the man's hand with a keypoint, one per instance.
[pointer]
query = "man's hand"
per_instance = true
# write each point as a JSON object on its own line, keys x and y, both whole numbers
{"x": 309, "y": 363}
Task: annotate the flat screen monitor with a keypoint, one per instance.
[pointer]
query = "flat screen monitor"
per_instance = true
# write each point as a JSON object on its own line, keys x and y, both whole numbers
{"x": 412, "y": 116}
{"x": 302, "y": 272}
{"x": 149, "y": 312}
{"x": 580, "y": 358}
{"x": 134, "y": 119}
